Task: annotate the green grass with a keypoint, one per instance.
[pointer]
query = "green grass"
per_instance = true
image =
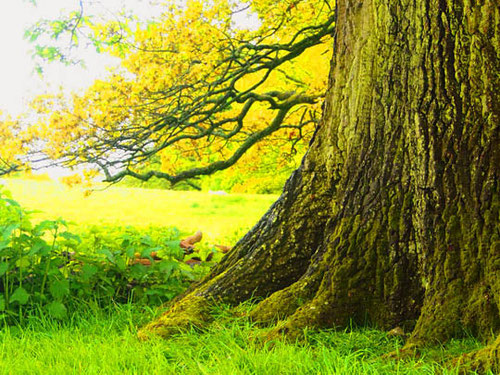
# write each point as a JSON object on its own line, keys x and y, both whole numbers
{"x": 219, "y": 217}
{"x": 100, "y": 342}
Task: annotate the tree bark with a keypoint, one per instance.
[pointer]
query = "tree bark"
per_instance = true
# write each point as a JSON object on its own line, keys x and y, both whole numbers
{"x": 393, "y": 216}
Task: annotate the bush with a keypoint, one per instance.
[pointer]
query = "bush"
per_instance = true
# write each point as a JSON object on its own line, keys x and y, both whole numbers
{"x": 45, "y": 268}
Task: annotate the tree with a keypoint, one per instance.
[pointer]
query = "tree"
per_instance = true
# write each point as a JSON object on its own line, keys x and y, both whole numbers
{"x": 10, "y": 145}
{"x": 193, "y": 91}
{"x": 393, "y": 215}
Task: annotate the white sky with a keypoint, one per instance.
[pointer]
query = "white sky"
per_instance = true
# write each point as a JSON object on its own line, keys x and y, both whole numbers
{"x": 18, "y": 82}
{"x": 15, "y": 64}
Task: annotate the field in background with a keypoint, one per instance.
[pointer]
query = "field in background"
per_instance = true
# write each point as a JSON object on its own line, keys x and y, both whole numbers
{"x": 219, "y": 217}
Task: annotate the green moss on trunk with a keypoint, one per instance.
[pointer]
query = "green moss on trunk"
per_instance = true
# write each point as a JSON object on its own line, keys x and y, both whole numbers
{"x": 480, "y": 361}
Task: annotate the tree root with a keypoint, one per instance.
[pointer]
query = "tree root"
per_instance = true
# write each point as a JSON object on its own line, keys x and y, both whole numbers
{"x": 281, "y": 304}
{"x": 191, "y": 311}
{"x": 480, "y": 361}
{"x": 310, "y": 315}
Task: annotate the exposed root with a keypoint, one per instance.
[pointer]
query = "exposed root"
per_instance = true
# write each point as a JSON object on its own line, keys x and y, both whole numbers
{"x": 307, "y": 316}
{"x": 287, "y": 302}
{"x": 481, "y": 361}
{"x": 279, "y": 305}
{"x": 191, "y": 311}
{"x": 283, "y": 331}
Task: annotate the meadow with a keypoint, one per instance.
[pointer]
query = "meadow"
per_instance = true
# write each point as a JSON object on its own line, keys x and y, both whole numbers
{"x": 219, "y": 217}
{"x": 94, "y": 332}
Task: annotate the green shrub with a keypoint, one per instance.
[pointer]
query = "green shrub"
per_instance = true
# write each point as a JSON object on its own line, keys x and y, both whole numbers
{"x": 48, "y": 269}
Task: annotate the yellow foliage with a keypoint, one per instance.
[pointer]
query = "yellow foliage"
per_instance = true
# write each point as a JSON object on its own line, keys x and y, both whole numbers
{"x": 187, "y": 46}
{"x": 84, "y": 179}
{"x": 12, "y": 141}
{"x": 72, "y": 180}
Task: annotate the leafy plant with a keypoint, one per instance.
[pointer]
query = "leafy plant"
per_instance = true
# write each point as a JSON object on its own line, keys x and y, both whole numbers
{"x": 45, "y": 267}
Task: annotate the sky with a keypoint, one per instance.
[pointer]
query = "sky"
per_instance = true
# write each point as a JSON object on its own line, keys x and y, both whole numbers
{"x": 18, "y": 81}
{"x": 15, "y": 64}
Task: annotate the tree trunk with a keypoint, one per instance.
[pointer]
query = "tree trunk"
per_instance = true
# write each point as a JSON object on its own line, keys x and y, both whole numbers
{"x": 393, "y": 216}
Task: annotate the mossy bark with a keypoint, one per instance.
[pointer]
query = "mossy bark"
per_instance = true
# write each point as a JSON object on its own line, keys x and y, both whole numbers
{"x": 393, "y": 216}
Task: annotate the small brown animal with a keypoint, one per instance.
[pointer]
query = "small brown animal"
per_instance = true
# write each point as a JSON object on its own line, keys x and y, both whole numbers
{"x": 145, "y": 261}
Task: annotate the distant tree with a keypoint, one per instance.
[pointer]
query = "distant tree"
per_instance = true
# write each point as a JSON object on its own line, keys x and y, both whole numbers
{"x": 11, "y": 146}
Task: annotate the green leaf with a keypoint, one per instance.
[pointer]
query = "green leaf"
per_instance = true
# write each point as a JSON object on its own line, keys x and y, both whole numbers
{"x": 12, "y": 202}
{"x": 147, "y": 240}
{"x": 7, "y": 231}
{"x": 186, "y": 271}
{"x": 121, "y": 263}
{"x": 39, "y": 247}
{"x": 23, "y": 262}
{"x": 88, "y": 270}
{"x": 44, "y": 225}
{"x": 20, "y": 295}
{"x": 70, "y": 236}
{"x": 126, "y": 239}
{"x": 4, "y": 244}
{"x": 4, "y": 266}
{"x": 24, "y": 239}
{"x": 130, "y": 251}
{"x": 57, "y": 310}
{"x": 59, "y": 288}
{"x": 63, "y": 222}
{"x": 167, "y": 266}
{"x": 2, "y": 302}
{"x": 138, "y": 270}
{"x": 108, "y": 254}
{"x": 174, "y": 244}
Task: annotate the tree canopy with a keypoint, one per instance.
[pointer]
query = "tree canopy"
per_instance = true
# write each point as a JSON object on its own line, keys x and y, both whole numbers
{"x": 11, "y": 145}
{"x": 194, "y": 91}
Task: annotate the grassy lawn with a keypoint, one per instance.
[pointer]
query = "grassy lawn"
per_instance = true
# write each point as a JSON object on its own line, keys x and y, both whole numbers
{"x": 99, "y": 342}
{"x": 96, "y": 340}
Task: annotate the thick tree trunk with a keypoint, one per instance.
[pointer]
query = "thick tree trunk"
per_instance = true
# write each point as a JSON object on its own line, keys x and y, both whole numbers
{"x": 393, "y": 216}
